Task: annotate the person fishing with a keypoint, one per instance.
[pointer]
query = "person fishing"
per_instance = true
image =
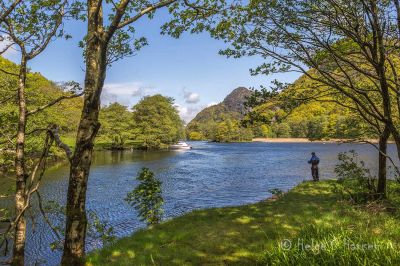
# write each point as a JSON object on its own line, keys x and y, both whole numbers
{"x": 314, "y": 161}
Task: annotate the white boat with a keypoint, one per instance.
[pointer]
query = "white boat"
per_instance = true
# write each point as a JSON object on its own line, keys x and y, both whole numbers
{"x": 180, "y": 146}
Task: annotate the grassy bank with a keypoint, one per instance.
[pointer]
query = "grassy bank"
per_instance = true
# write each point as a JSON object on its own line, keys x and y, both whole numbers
{"x": 269, "y": 232}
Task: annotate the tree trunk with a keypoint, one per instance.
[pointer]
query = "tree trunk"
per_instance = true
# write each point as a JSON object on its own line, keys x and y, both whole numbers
{"x": 75, "y": 232}
{"x": 397, "y": 5}
{"x": 396, "y": 138}
{"x": 381, "y": 189}
{"x": 20, "y": 197}
{"x": 380, "y": 59}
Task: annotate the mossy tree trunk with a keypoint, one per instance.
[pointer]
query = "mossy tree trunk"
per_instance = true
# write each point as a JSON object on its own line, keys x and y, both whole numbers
{"x": 75, "y": 233}
{"x": 382, "y": 171}
{"x": 97, "y": 57}
{"x": 21, "y": 175}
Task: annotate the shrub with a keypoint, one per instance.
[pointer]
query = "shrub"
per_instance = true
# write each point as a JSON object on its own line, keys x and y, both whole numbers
{"x": 276, "y": 192}
{"x": 147, "y": 197}
{"x": 354, "y": 179}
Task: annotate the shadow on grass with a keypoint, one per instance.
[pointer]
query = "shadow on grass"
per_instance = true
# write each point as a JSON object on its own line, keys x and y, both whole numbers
{"x": 243, "y": 235}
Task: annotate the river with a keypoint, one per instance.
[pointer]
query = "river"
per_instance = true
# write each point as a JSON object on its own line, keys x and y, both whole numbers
{"x": 209, "y": 175}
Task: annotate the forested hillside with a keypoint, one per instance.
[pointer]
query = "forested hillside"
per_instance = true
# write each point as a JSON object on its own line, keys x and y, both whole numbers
{"x": 221, "y": 122}
{"x": 314, "y": 120}
{"x": 39, "y": 91}
{"x": 322, "y": 119}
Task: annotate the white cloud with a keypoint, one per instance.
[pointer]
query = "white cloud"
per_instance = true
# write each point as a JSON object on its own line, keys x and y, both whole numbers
{"x": 191, "y": 97}
{"x": 187, "y": 113}
{"x": 131, "y": 88}
{"x": 130, "y": 93}
{"x": 124, "y": 93}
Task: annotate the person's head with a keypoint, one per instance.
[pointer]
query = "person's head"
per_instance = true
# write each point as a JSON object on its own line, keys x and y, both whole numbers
{"x": 313, "y": 153}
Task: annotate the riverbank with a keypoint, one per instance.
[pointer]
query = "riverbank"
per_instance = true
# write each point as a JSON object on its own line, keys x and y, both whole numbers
{"x": 305, "y": 140}
{"x": 57, "y": 157}
{"x": 309, "y": 225}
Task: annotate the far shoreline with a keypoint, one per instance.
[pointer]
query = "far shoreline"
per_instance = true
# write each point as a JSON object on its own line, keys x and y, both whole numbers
{"x": 305, "y": 140}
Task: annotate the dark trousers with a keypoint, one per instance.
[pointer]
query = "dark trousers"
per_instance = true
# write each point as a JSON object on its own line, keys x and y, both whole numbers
{"x": 314, "y": 172}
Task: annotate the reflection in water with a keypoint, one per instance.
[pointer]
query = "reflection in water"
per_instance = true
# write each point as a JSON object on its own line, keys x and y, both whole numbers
{"x": 210, "y": 175}
{"x": 117, "y": 157}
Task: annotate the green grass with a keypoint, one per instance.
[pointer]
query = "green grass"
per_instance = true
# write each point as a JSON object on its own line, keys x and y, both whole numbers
{"x": 311, "y": 214}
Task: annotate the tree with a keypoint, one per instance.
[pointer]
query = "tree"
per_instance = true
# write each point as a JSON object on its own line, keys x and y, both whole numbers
{"x": 117, "y": 124}
{"x": 107, "y": 40}
{"x": 265, "y": 131}
{"x": 195, "y": 135}
{"x": 39, "y": 92}
{"x": 222, "y": 133}
{"x": 348, "y": 48}
{"x": 30, "y": 26}
{"x": 157, "y": 122}
{"x": 6, "y": 10}
{"x": 230, "y": 131}
{"x": 147, "y": 197}
{"x": 305, "y": 118}
{"x": 281, "y": 130}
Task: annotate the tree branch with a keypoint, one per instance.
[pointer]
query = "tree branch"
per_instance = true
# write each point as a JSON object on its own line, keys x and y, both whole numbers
{"x": 53, "y": 103}
{"x": 144, "y": 12}
{"x": 47, "y": 40}
{"x": 9, "y": 10}
{"x": 53, "y": 129}
{"x": 47, "y": 220}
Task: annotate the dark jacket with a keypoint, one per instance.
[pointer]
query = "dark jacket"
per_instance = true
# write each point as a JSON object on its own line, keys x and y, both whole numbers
{"x": 314, "y": 160}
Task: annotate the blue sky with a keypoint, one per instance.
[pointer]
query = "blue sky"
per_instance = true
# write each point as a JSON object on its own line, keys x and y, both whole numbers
{"x": 188, "y": 69}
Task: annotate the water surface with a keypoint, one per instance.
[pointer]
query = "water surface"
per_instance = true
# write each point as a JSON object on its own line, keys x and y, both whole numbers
{"x": 210, "y": 175}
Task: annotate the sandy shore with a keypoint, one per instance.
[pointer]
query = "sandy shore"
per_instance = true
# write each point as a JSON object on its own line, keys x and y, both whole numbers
{"x": 305, "y": 140}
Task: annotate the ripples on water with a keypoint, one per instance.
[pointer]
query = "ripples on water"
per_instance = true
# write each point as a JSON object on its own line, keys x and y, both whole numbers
{"x": 209, "y": 175}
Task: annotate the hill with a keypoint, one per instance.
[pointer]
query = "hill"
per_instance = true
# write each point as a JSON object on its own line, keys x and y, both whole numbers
{"x": 221, "y": 122}
{"x": 231, "y": 107}
{"x": 312, "y": 119}
{"x": 39, "y": 92}
{"x": 229, "y": 121}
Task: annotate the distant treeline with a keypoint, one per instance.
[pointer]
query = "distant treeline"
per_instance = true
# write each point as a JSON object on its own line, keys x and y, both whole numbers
{"x": 153, "y": 123}
{"x": 272, "y": 119}
{"x": 313, "y": 121}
